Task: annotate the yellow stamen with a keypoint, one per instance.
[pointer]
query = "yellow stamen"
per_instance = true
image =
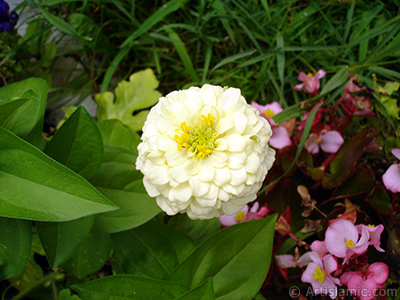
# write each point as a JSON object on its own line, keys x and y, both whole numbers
{"x": 269, "y": 113}
{"x": 398, "y": 166}
{"x": 369, "y": 225}
{"x": 350, "y": 243}
{"x": 240, "y": 216}
{"x": 319, "y": 275}
{"x": 319, "y": 141}
{"x": 203, "y": 151}
{"x": 209, "y": 120}
{"x": 310, "y": 75}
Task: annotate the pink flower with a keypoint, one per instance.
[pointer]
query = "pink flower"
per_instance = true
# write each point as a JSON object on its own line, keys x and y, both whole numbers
{"x": 342, "y": 239}
{"x": 317, "y": 118}
{"x": 311, "y": 82}
{"x": 244, "y": 215}
{"x": 391, "y": 178}
{"x": 374, "y": 235}
{"x": 280, "y": 136}
{"x": 319, "y": 248}
{"x": 318, "y": 275}
{"x": 289, "y": 261}
{"x": 365, "y": 284}
{"x": 329, "y": 141}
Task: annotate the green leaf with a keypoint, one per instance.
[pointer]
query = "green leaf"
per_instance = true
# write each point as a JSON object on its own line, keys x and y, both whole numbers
{"x": 86, "y": 27}
{"x": 128, "y": 287}
{"x": 16, "y": 236}
{"x": 66, "y": 295}
{"x": 8, "y": 109}
{"x": 204, "y": 291}
{"x": 136, "y": 94}
{"x": 27, "y": 121}
{"x": 198, "y": 230}
{"x": 345, "y": 159}
{"x": 361, "y": 181}
{"x": 62, "y": 25}
{"x": 114, "y": 132}
{"x": 152, "y": 250}
{"x": 77, "y": 144}
{"x": 120, "y": 182}
{"x": 237, "y": 258}
{"x": 379, "y": 200}
{"x": 34, "y": 186}
{"x": 159, "y": 15}
{"x": 184, "y": 55}
{"x": 391, "y": 106}
{"x": 90, "y": 256}
{"x": 61, "y": 240}
{"x": 336, "y": 81}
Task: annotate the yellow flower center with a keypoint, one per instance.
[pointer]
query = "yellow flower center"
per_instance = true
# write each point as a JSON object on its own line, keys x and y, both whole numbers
{"x": 350, "y": 243}
{"x": 269, "y": 113}
{"x": 310, "y": 75}
{"x": 199, "y": 139}
{"x": 240, "y": 216}
{"x": 398, "y": 166}
{"x": 319, "y": 141}
{"x": 369, "y": 225}
{"x": 319, "y": 275}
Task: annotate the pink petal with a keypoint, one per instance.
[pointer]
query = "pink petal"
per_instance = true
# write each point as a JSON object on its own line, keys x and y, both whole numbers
{"x": 319, "y": 247}
{"x": 330, "y": 264}
{"x": 364, "y": 289}
{"x": 320, "y": 74}
{"x": 231, "y": 220}
{"x": 391, "y": 179}
{"x": 298, "y": 87}
{"x": 286, "y": 261}
{"x": 375, "y": 236}
{"x": 274, "y": 106}
{"x": 362, "y": 244}
{"x": 396, "y": 152}
{"x": 304, "y": 260}
{"x": 302, "y": 77}
{"x": 254, "y": 208}
{"x": 280, "y": 138}
{"x": 311, "y": 144}
{"x": 260, "y": 108}
{"x": 344, "y": 279}
{"x": 329, "y": 287}
{"x": 380, "y": 272}
{"x": 336, "y": 236}
{"x": 331, "y": 141}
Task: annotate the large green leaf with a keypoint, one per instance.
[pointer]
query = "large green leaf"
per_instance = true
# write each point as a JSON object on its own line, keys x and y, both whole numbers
{"x": 90, "y": 256}
{"x": 61, "y": 240}
{"x": 152, "y": 250}
{"x": 114, "y": 132}
{"x": 34, "y": 186}
{"x": 120, "y": 182}
{"x": 128, "y": 287}
{"x": 8, "y": 109}
{"x": 136, "y": 94}
{"x": 237, "y": 258}
{"x": 77, "y": 144}
{"x": 27, "y": 121}
{"x": 16, "y": 236}
{"x": 198, "y": 230}
{"x": 380, "y": 200}
{"x": 204, "y": 291}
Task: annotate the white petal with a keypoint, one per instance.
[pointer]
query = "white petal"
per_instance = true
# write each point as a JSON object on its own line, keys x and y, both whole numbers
{"x": 228, "y": 98}
{"x": 150, "y": 188}
{"x": 238, "y": 176}
{"x": 182, "y": 192}
{"x": 199, "y": 189}
{"x": 218, "y": 159}
{"x": 236, "y": 143}
{"x": 237, "y": 160}
{"x": 194, "y": 166}
{"x": 252, "y": 163}
{"x": 175, "y": 157}
{"x": 179, "y": 173}
{"x": 224, "y": 125}
{"x": 222, "y": 176}
{"x": 207, "y": 172}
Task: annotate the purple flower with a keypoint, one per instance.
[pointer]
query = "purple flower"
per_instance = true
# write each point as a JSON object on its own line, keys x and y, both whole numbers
{"x": 311, "y": 82}
{"x": 391, "y": 179}
{"x": 7, "y": 19}
{"x": 329, "y": 141}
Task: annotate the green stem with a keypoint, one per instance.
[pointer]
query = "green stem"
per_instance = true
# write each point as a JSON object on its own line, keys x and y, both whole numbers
{"x": 36, "y": 284}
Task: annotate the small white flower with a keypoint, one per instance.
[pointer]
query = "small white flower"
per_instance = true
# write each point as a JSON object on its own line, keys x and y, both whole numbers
{"x": 204, "y": 151}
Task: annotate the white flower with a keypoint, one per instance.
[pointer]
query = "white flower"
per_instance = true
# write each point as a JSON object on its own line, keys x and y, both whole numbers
{"x": 204, "y": 151}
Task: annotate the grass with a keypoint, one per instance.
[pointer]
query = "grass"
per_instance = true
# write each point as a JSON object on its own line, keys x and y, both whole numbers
{"x": 258, "y": 46}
